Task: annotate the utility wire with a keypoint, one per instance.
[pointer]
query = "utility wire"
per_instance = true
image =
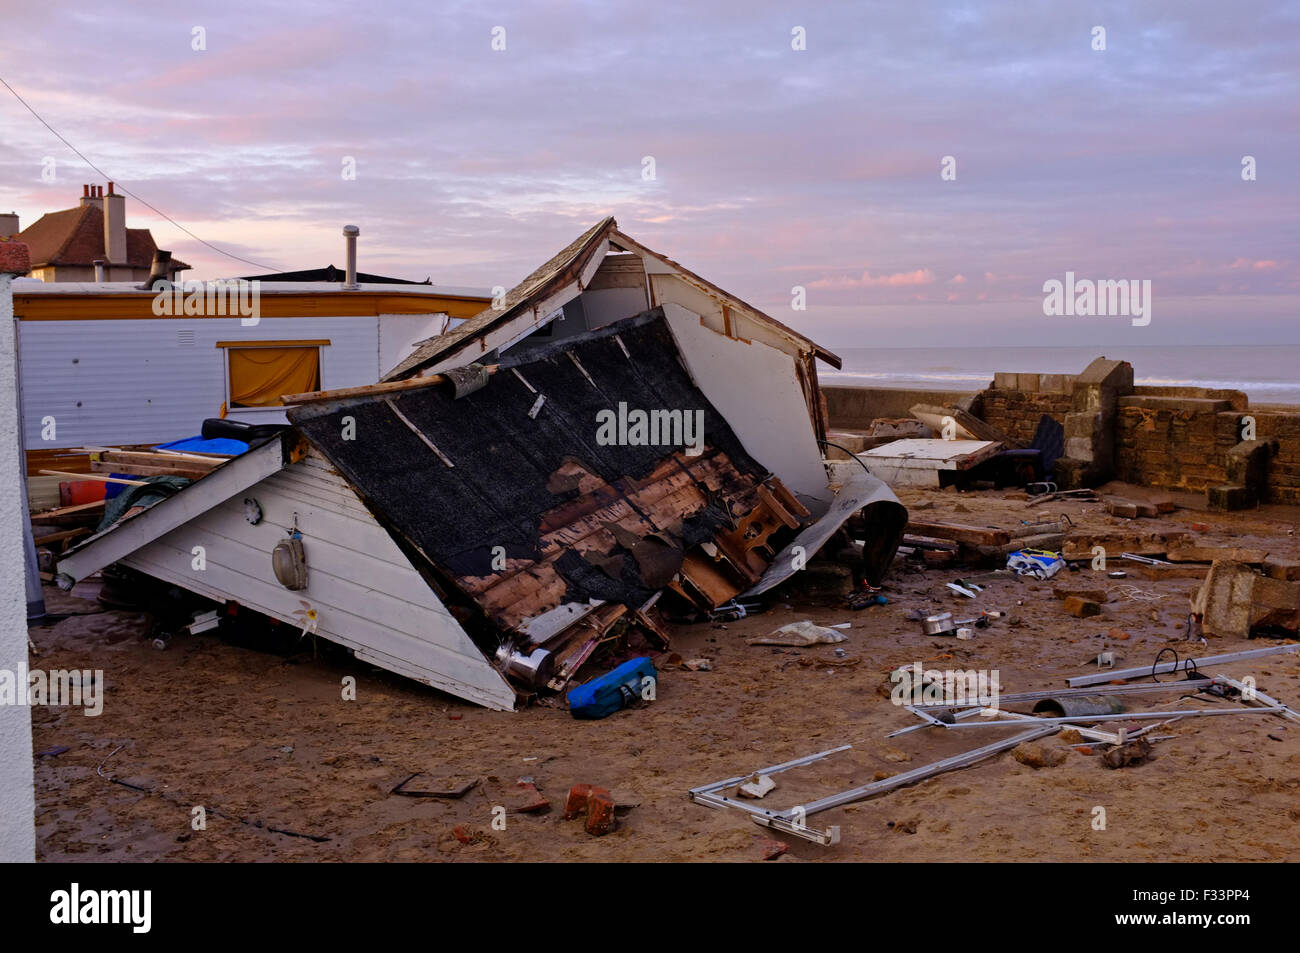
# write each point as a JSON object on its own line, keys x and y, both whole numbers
{"x": 125, "y": 190}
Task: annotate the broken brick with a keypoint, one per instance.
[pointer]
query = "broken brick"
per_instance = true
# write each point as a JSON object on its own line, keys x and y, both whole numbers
{"x": 600, "y": 814}
{"x": 1080, "y": 607}
{"x": 576, "y": 803}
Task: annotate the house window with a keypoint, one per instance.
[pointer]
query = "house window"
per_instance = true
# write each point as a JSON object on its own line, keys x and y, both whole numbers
{"x": 258, "y": 374}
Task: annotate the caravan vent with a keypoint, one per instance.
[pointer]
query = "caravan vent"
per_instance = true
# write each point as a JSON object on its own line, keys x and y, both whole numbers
{"x": 185, "y": 338}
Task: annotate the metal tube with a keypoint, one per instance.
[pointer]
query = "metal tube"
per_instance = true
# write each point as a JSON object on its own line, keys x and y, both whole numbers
{"x": 1017, "y": 697}
{"x": 775, "y": 769}
{"x": 1181, "y": 665}
{"x": 1127, "y": 716}
{"x": 928, "y": 770}
{"x": 350, "y": 232}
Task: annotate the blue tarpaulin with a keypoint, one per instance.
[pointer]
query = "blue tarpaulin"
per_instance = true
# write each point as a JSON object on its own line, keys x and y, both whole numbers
{"x": 198, "y": 445}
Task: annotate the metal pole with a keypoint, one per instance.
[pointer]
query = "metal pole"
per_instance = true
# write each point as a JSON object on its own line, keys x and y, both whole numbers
{"x": 1181, "y": 665}
{"x": 1126, "y": 716}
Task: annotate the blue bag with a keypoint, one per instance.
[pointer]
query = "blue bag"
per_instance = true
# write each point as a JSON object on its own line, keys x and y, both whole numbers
{"x": 612, "y": 691}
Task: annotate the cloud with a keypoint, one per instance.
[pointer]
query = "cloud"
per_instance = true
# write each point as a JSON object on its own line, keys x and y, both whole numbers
{"x": 773, "y": 166}
{"x": 901, "y": 279}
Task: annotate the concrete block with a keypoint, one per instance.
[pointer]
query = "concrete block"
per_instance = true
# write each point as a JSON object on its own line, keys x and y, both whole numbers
{"x": 1230, "y": 496}
{"x": 1101, "y": 372}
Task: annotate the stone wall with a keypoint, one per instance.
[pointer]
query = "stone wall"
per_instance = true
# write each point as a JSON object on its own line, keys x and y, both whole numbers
{"x": 854, "y": 408}
{"x": 1017, "y": 413}
{"x": 1185, "y": 438}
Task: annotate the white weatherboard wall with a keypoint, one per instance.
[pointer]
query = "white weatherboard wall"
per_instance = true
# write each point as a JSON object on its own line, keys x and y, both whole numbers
{"x": 365, "y": 592}
{"x": 756, "y": 388}
{"x": 110, "y": 382}
{"x": 17, "y": 798}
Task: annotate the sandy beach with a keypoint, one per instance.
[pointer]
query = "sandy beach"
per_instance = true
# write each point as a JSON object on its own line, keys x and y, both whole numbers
{"x": 264, "y": 741}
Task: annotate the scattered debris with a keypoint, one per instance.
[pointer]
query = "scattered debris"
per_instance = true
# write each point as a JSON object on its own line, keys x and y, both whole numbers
{"x": 1235, "y": 600}
{"x": 534, "y": 802}
{"x": 443, "y": 787}
{"x": 614, "y": 690}
{"x": 1040, "y": 563}
{"x": 756, "y": 786}
{"x": 1081, "y": 608}
{"x": 1038, "y": 755}
{"x": 799, "y": 634}
{"x": 1127, "y": 754}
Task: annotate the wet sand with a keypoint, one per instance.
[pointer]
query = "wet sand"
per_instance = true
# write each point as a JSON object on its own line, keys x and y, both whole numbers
{"x": 265, "y": 741}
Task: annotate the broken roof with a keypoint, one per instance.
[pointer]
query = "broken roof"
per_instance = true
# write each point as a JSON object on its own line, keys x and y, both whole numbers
{"x": 517, "y": 465}
{"x": 535, "y": 293}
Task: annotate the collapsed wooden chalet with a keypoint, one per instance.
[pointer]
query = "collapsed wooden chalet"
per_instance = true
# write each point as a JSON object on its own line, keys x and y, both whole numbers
{"x": 477, "y": 522}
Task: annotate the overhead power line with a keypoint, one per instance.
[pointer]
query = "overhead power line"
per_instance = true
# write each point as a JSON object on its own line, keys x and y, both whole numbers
{"x": 118, "y": 183}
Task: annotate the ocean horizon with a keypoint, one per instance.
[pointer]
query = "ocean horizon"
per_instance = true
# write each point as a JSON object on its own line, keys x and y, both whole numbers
{"x": 1266, "y": 373}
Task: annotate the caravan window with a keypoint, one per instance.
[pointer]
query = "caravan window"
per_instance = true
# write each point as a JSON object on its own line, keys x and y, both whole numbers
{"x": 258, "y": 374}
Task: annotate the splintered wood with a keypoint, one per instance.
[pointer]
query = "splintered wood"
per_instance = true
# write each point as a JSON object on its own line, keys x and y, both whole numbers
{"x": 635, "y": 527}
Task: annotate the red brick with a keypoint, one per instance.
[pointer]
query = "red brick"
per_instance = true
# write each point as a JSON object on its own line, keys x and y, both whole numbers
{"x": 600, "y": 814}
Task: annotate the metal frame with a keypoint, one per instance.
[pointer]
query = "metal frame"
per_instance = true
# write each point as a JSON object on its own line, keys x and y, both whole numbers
{"x": 794, "y": 820}
{"x": 1267, "y": 703}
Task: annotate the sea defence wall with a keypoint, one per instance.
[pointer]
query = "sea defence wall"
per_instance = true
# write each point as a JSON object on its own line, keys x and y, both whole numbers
{"x": 1188, "y": 438}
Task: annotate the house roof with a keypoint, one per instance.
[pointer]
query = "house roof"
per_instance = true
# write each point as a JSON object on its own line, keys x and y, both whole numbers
{"x": 568, "y": 265}
{"x": 75, "y": 236}
{"x": 562, "y": 268}
{"x": 330, "y": 273}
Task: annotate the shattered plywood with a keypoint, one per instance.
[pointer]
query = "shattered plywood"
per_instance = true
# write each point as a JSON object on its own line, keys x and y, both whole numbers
{"x": 525, "y": 514}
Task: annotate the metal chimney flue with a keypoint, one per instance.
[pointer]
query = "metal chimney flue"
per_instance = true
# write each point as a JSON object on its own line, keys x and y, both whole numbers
{"x": 99, "y": 269}
{"x": 158, "y": 280}
{"x": 350, "y": 233}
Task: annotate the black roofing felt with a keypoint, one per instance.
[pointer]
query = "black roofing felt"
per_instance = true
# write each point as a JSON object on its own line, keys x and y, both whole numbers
{"x": 330, "y": 273}
{"x": 497, "y": 490}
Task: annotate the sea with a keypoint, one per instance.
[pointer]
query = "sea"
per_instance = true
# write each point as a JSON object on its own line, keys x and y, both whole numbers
{"x": 1267, "y": 374}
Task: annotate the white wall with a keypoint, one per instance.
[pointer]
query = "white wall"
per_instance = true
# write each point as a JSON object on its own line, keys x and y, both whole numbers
{"x": 109, "y": 382}
{"x": 17, "y": 798}
{"x": 365, "y": 592}
{"x": 399, "y": 333}
{"x": 756, "y": 388}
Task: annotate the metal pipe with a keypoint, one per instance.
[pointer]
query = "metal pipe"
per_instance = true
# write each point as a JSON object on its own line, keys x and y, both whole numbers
{"x": 1180, "y": 665}
{"x": 1017, "y": 697}
{"x": 1127, "y": 716}
{"x": 350, "y": 232}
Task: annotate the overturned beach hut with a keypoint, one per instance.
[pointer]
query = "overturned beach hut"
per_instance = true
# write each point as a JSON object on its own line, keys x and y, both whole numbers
{"x": 519, "y": 491}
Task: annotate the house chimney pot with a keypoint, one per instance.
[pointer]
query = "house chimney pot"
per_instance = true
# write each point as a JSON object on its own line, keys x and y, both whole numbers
{"x": 85, "y": 191}
{"x": 350, "y": 233}
{"x": 99, "y": 269}
{"x": 115, "y": 228}
{"x": 110, "y": 188}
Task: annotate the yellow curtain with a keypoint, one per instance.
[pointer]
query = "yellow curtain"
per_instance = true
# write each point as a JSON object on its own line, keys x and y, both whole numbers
{"x": 260, "y": 375}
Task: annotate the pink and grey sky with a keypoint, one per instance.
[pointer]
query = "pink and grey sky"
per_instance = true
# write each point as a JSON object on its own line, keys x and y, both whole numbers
{"x": 774, "y": 167}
